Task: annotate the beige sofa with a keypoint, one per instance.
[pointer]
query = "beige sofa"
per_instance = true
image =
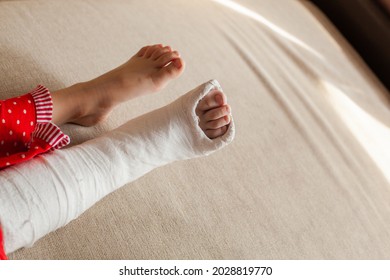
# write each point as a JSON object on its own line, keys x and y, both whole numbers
{"x": 307, "y": 176}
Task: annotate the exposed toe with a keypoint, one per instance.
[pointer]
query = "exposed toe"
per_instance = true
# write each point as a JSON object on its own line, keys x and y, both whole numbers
{"x": 160, "y": 51}
{"x": 167, "y": 57}
{"x": 172, "y": 70}
{"x": 151, "y": 50}
{"x": 217, "y": 123}
{"x": 215, "y": 133}
{"x": 213, "y": 100}
{"x": 217, "y": 113}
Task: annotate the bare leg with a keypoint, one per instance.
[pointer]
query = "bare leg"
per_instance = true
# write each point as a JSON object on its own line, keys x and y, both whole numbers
{"x": 88, "y": 103}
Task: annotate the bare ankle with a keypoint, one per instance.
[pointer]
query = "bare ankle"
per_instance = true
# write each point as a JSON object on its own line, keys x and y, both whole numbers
{"x": 67, "y": 104}
{"x": 94, "y": 103}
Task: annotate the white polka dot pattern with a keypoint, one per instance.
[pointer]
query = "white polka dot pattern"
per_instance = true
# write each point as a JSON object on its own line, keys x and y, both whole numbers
{"x": 25, "y": 123}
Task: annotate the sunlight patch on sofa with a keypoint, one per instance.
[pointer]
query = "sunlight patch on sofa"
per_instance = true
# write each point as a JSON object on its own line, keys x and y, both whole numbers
{"x": 274, "y": 28}
{"x": 372, "y": 135}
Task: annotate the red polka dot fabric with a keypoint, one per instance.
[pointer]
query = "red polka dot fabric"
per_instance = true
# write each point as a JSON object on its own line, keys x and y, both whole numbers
{"x": 26, "y": 131}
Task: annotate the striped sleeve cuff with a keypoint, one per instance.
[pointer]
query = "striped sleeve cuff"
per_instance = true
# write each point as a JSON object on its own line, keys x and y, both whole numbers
{"x": 43, "y": 104}
{"x": 45, "y": 130}
{"x": 51, "y": 134}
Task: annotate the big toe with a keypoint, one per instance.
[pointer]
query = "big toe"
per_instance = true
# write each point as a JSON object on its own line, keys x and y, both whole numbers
{"x": 173, "y": 70}
{"x": 212, "y": 100}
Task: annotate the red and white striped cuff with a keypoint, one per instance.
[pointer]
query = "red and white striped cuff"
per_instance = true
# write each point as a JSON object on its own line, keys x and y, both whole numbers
{"x": 43, "y": 104}
{"x": 45, "y": 129}
{"x": 51, "y": 134}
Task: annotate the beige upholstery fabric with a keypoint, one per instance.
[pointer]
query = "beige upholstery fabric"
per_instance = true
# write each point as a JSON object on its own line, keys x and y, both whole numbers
{"x": 307, "y": 175}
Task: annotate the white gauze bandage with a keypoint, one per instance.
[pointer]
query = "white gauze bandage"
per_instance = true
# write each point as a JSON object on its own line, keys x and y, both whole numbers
{"x": 44, "y": 194}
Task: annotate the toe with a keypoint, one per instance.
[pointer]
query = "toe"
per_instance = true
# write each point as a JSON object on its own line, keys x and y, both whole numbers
{"x": 214, "y": 124}
{"x": 214, "y": 133}
{"x": 172, "y": 70}
{"x": 167, "y": 57}
{"x": 151, "y": 50}
{"x": 160, "y": 51}
{"x": 216, "y": 113}
{"x": 212, "y": 100}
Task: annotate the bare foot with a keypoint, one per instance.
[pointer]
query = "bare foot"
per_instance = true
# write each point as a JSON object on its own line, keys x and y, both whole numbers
{"x": 148, "y": 71}
{"x": 214, "y": 114}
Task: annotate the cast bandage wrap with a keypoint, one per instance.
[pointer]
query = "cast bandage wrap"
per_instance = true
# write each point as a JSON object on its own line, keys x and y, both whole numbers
{"x": 57, "y": 188}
